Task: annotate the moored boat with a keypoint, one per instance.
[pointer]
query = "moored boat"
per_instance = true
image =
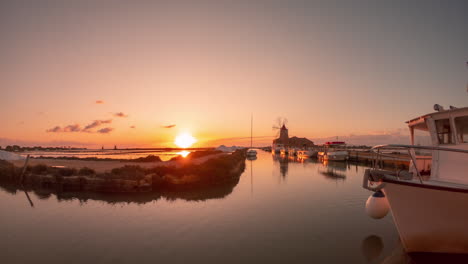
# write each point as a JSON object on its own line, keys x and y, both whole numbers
{"x": 334, "y": 151}
{"x": 251, "y": 152}
{"x": 429, "y": 200}
{"x": 276, "y": 148}
{"x": 308, "y": 153}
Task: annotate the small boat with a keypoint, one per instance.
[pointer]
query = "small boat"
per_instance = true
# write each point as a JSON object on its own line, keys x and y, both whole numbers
{"x": 292, "y": 151}
{"x": 333, "y": 152}
{"x": 276, "y": 149}
{"x": 251, "y": 152}
{"x": 283, "y": 151}
{"x": 310, "y": 153}
{"x": 428, "y": 200}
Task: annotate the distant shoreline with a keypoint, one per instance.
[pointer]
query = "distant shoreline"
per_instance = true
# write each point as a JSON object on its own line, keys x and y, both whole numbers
{"x": 24, "y": 149}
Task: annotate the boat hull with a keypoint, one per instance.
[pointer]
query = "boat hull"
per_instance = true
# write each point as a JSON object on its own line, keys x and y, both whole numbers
{"x": 429, "y": 218}
{"x": 336, "y": 156}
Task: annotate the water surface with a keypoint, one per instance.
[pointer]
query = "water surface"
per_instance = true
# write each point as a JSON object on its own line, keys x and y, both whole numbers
{"x": 280, "y": 211}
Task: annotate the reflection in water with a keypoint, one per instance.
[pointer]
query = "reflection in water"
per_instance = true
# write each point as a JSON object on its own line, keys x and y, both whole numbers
{"x": 283, "y": 164}
{"x": 319, "y": 221}
{"x": 183, "y": 153}
{"x": 200, "y": 193}
{"x": 251, "y": 173}
{"x": 399, "y": 256}
{"x": 372, "y": 246}
{"x": 334, "y": 170}
{"x": 29, "y": 198}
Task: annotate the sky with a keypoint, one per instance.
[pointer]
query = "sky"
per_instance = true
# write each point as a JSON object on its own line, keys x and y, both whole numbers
{"x": 138, "y": 73}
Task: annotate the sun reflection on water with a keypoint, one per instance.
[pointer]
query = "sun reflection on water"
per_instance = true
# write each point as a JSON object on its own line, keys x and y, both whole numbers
{"x": 184, "y": 153}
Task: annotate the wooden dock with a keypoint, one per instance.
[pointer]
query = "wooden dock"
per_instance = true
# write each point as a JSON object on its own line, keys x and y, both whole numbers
{"x": 396, "y": 160}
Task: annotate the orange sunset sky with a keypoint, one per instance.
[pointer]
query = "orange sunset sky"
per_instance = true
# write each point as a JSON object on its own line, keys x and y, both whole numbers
{"x": 138, "y": 73}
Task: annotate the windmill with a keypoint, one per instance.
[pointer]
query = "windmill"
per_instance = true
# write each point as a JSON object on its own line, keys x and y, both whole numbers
{"x": 280, "y": 122}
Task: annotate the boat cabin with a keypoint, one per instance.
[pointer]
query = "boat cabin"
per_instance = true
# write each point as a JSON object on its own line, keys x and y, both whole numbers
{"x": 446, "y": 129}
{"x": 334, "y": 144}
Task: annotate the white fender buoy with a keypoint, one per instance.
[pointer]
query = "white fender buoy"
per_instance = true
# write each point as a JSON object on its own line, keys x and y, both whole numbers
{"x": 377, "y": 205}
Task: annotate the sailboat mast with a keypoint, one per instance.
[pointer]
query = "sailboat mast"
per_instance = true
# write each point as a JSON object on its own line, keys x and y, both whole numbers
{"x": 251, "y": 129}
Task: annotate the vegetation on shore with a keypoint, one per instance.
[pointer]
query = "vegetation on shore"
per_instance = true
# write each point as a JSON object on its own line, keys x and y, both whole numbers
{"x": 16, "y": 148}
{"x": 131, "y": 178}
{"x": 149, "y": 158}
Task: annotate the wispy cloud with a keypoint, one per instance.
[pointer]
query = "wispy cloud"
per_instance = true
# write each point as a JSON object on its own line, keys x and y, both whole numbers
{"x": 54, "y": 129}
{"x": 169, "y": 126}
{"x": 105, "y": 130}
{"x": 72, "y": 128}
{"x": 99, "y": 101}
{"x": 88, "y": 128}
{"x": 96, "y": 123}
{"x": 120, "y": 114}
{"x": 132, "y": 126}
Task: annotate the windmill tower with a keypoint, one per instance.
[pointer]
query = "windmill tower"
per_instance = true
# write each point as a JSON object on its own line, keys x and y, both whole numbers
{"x": 284, "y": 137}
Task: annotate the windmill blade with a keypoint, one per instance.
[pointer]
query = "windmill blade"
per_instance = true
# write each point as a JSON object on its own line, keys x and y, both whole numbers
{"x": 279, "y": 121}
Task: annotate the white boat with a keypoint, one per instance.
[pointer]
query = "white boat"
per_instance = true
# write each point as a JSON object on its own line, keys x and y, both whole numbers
{"x": 251, "y": 152}
{"x": 333, "y": 152}
{"x": 310, "y": 153}
{"x": 429, "y": 201}
{"x": 276, "y": 148}
{"x": 292, "y": 151}
{"x": 283, "y": 151}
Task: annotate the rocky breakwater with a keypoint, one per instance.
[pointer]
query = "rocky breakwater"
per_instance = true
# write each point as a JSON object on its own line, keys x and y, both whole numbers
{"x": 127, "y": 179}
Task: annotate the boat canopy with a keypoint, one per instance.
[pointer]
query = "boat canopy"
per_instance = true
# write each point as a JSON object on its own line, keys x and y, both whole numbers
{"x": 335, "y": 143}
{"x": 446, "y": 127}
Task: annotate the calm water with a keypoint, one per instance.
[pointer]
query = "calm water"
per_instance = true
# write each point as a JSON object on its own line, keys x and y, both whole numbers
{"x": 279, "y": 211}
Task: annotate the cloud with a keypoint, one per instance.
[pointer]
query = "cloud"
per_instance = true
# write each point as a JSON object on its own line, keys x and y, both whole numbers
{"x": 105, "y": 130}
{"x": 69, "y": 128}
{"x": 169, "y": 126}
{"x": 54, "y": 129}
{"x": 77, "y": 128}
{"x": 72, "y": 128}
{"x": 132, "y": 126}
{"x": 96, "y": 123}
{"x": 120, "y": 114}
{"x": 99, "y": 101}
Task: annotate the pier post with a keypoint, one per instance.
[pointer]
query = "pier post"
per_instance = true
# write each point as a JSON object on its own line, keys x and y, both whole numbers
{"x": 24, "y": 169}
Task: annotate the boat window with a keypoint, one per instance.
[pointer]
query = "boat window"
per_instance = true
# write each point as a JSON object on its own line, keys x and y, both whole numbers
{"x": 444, "y": 133}
{"x": 461, "y": 123}
{"x": 422, "y": 137}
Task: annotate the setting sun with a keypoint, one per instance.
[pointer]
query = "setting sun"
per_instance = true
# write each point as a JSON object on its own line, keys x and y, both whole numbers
{"x": 184, "y": 140}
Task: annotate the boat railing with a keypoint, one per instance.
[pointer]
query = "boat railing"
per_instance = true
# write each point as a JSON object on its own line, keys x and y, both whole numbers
{"x": 410, "y": 149}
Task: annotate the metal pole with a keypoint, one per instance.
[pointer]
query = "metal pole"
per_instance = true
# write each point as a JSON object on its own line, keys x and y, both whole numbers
{"x": 251, "y": 130}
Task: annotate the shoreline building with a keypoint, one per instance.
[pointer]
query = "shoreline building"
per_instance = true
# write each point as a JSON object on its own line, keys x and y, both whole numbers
{"x": 284, "y": 141}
